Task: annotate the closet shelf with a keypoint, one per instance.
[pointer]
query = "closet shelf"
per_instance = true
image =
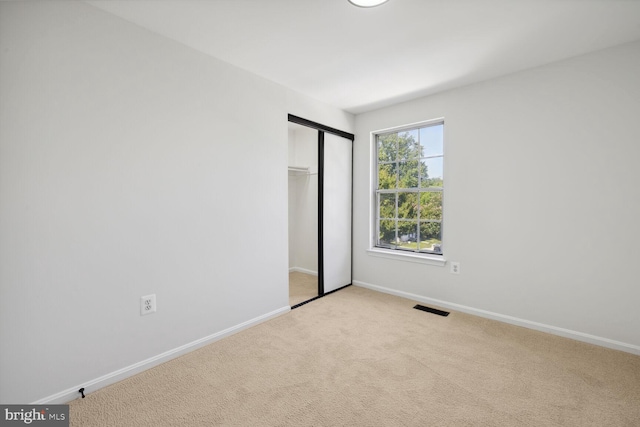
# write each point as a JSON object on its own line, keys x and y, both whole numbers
{"x": 302, "y": 170}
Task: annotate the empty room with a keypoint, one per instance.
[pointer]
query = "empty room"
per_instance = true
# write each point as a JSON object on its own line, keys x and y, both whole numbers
{"x": 320, "y": 212}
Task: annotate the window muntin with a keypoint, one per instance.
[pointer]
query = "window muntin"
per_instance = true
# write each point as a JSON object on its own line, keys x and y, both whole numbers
{"x": 409, "y": 189}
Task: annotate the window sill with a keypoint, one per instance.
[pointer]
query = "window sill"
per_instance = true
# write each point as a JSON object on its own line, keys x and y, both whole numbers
{"x": 438, "y": 260}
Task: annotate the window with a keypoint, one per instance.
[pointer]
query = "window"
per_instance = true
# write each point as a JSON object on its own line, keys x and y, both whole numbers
{"x": 409, "y": 188}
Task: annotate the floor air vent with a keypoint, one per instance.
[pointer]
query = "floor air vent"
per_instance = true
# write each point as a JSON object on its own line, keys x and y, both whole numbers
{"x": 432, "y": 310}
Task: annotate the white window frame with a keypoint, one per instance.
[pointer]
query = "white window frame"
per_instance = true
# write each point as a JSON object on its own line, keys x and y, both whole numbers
{"x": 402, "y": 255}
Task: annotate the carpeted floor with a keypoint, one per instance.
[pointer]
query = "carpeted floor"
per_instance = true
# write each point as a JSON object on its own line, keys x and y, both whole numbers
{"x": 362, "y": 358}
{"x": 302, "y": 287}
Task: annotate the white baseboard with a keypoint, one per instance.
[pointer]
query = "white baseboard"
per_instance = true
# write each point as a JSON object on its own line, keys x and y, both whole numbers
{"x": 567, "y": 333}
{"x": 303, "y": 270}
{"x": 129, "y": 371}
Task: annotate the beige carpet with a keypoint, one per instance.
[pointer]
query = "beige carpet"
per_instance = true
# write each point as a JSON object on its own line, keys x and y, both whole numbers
{"x": 302, "y": 287}
{"x": 362, "y": 358}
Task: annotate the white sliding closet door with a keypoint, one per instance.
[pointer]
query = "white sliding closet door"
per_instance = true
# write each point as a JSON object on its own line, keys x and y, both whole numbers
{"x": 336, "y": 217}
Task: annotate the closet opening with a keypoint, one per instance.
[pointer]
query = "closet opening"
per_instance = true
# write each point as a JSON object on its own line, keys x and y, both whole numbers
{"x": 320, "y": 210}
{"x": 303, "y": 214}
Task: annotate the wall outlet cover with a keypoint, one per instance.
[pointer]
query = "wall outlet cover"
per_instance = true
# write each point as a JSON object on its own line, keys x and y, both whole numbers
{"x": 455, "y": 268}
{"x": 147, "y": 304}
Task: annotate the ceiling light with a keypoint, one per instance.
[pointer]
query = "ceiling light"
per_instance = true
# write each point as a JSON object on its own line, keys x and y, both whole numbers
{"x": 367, "y": 3}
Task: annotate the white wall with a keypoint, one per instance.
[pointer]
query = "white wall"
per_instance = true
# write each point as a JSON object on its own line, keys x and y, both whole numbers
{"x": 541, "y": 199}
{"x": 303, "y": 201}
{"x": 131, "y": 165}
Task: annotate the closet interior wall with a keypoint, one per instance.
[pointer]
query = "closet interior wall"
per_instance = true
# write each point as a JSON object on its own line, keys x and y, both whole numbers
{"x": 303, "y": 199}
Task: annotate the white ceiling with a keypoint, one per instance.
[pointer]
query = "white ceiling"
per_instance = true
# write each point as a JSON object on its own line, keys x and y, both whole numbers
{"x": 361, "y": 59}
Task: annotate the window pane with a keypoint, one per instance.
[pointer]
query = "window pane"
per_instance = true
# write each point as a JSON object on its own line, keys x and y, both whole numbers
{"x": 431, "y": 172}
{"x": 408, "y": 145}
{"x": 387, "y": 205}
{"x": 431, "y": 140}
{"x": 387, "y": 176}
{"x": 431, "y": 205}
{"x": 387, "y": 233}
{"x": 408, "y": 234}
{"x": 431, "y": 237}
{"x": 408, "y": 174}
{"x": 408, "y": 205}
{"x": 388, "y": 147}
{"x": 410, "y": 189}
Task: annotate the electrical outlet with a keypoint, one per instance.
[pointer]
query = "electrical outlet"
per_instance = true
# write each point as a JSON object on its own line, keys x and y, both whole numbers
{"x": 455, "y": 268}
{"x": 147, "y": 304}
